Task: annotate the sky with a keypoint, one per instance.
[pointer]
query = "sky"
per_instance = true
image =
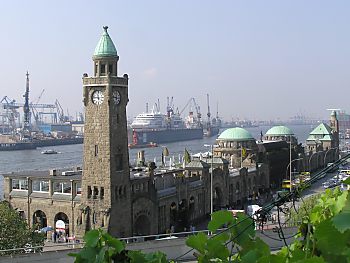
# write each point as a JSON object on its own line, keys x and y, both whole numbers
{"x": 258, "y": 60}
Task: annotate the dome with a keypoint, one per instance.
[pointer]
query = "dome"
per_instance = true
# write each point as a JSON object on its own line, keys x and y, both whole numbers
{"x": 236, "y": 134}
{"x": 105, "y": 47}
{"x": 279, "y": 131}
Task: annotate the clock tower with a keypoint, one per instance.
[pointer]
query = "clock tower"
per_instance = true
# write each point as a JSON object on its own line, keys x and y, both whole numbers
{"x": 105, "y": 199}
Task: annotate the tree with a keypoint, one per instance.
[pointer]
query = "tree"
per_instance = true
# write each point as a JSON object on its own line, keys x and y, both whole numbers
{"x": 14, "y": 231}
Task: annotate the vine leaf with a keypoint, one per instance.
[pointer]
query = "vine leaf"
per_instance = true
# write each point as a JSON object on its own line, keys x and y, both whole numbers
{"x": 91, "y": 238}
{"x": 220, "y": 219}
{"x": 197, "y": 242}
{"x": 342, "y": 220}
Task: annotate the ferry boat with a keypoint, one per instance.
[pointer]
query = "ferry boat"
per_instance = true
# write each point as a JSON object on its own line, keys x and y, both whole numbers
{"x": 49, "y": 151}
{"x": 155, "y": 127}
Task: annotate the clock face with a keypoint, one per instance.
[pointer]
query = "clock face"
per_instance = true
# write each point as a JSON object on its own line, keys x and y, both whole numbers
{"x": 116, "y": 97}
{"x": 97, "y": 97}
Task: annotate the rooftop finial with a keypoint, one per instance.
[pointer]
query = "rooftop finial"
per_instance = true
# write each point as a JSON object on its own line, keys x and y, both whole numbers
{"x": 105, "y": 28}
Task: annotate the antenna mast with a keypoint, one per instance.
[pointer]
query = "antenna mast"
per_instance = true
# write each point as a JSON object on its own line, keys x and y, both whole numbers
{"x": 26, "y": 124}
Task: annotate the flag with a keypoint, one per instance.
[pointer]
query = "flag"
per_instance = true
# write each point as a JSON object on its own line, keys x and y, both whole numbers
{"x": 165, "y": 151}
{"x": 187, "y": 157}
{"x": 244, "y": 152}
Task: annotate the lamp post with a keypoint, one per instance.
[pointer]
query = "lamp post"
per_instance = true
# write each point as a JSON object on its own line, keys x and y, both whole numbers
{"x": 290, "y": 163}
{"x": 211, "y": 177}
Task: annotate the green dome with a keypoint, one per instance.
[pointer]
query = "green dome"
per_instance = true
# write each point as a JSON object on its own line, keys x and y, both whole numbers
{"x": 105, "y": 47}
{"x": 236, "y": 134}
{"x": 279, "y": 131}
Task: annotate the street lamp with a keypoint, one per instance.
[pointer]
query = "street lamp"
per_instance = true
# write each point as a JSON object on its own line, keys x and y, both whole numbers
{"x": 211, "y": 176}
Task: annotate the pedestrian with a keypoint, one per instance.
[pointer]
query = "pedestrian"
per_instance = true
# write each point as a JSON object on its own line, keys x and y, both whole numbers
{"x": 54, "y": 236}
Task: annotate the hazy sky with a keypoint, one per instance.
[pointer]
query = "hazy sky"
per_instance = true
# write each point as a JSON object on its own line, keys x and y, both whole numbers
{"x": 258, "y": 59}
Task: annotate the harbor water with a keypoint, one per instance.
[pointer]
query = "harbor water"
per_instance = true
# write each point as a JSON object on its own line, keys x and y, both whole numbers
{"x": 72, "y": 155}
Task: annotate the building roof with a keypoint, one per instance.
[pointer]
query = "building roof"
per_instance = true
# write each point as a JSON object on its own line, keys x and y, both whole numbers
{"x": 197, "y": 164}
{"x": 236, "y": 134}
{"x": 279, "y": 131}
{"x": 322, "y": 132}
{"x": 105, "y": 47}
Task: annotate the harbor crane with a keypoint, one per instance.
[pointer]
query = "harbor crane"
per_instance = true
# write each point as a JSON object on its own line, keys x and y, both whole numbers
{"x": 208, "y": 114}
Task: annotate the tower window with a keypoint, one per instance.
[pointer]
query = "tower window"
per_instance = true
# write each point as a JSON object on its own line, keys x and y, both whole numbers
{"x": 102, "y": 192}
{"x": 103, "y": 69}
{"x": 96, "y": 69}
{"x": 117, "y": 118}
{"x": 96, "y": 150}
{"x": 95, "y": 192}
{"x": 110, "y": 68}
{"x": 89, "y": 192}
{"x": 119, "y": 162}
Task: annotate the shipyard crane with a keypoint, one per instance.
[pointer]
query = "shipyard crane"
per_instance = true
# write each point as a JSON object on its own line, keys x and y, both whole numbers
{"x": 208, "y": 114}
{"x": 10, "y": 112}
{"x": 60, "y": 112}
{"x": 192, "y": 104}
{"x": 34, "y": 111}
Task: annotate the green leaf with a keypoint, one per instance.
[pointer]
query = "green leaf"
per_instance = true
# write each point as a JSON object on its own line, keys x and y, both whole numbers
{"x": 114, "y": 242}
{"x": 342, "y": 220}
{"x": 219, "y": 219}
{"x": 340, "y": 203}
{"x": 243, "y": 231}
{"x": 347, "y": 181}
{"x": 136, "y": 256}
{"x": 251, "y": 257}
{"x": 101, "y": 255}
{"x": 197, "y": 242}
{"x": 312, "y": 260}
{"x": 88, "y": 254}
{"x": 91, "y": 238}
{"x": 217, "y": 250}
{"x": 329, "y": 240}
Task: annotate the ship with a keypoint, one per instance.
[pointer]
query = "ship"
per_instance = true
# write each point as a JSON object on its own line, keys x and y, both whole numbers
{"x": 35, "y": 143}
{"x": 156, "y": 127}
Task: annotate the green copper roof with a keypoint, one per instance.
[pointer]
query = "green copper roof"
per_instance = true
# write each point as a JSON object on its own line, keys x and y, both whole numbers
{"x": 279, "y": 131}
{"x": 322, "y": 129}
{"x": 236, "y": 134}
{"x": 322, "y": 132}
{"x": 105, "y": 47}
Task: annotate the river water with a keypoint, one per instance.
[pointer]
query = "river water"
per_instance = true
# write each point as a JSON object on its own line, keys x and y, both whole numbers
{"x": 72, "y": 155}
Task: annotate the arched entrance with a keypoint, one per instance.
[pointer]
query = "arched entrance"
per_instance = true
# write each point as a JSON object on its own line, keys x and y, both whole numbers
{"x": 142, "y": 226}
{"x": 62, "y": 226}
{"x": 182, "y": 219}
{"x": 39, "y": 219}
{"x": 217, "y": 199}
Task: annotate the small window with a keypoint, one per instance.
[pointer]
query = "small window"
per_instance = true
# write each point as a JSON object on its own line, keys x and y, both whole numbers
{"x": 103, "y": 69}
{"x": 117, "y": 118}
{"x": 40, "y": 186}
{"x": 89, "y": 192}
{"x": 95, "y": 192}
{"x": 96, "y": 69}
{"x": 19, "y": 184}
{"x": 119, "y": 162}
{"x": 110, "y": 68}
{"x": 62, "y": 188}
{"x": 78, "y": 188}
{"x": 96, "y": 150}
{"x": 102, "y": 192}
